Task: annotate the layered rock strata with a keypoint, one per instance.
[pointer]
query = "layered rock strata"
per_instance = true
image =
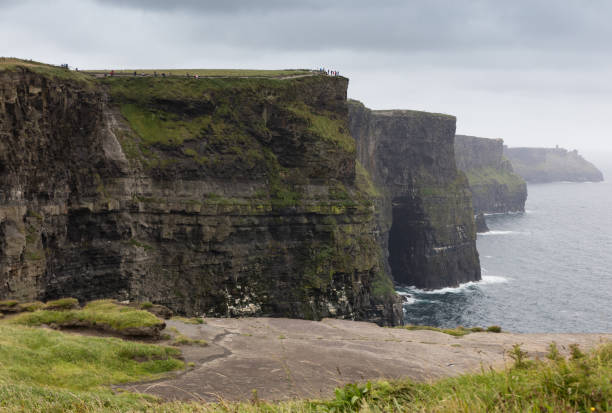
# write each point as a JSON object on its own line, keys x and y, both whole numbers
{"x": 426, "y": 217}
{"x": 540, "y": 165}
{"x": 494, "y": 185}
{"x": 222, "y": 197}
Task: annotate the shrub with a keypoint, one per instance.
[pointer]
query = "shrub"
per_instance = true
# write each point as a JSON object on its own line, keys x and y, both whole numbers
{"x": 553, "y": 352}
{"x": 494, "y": 329}
{"x": 519, "y": 356}
{"x": 575, "y": 352}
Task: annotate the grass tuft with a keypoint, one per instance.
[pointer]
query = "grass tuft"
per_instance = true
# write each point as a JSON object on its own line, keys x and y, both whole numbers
{"x": 101, "y": 315}
{"x": 62, "y": 304}
{"x": 190, "y": 320}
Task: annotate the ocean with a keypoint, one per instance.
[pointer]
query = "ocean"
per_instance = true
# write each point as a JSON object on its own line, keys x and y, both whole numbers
{"x": 546, "y": 270}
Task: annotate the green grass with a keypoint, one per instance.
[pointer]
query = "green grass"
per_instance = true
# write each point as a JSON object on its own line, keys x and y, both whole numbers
{"x": 156, "y": 126}
{"x": 190, "y": 320}
{"x": 484, "y": 177}
{"x": 11, "y": 64}
{"x": 9, "y": 305}
{"x": 80, "y": 365}
{"x": 212, "y": 72}
{"x": 457, "y": 332}
{"x": 101, "y": 314}
{"x": 49, "y": 371}
{"x": 31, "y": 306}
{"x": 326, "y": 126}
{"x": 179, "y": 339}
{"x": 62, "y": 304}
{"x": 364, "y": 182}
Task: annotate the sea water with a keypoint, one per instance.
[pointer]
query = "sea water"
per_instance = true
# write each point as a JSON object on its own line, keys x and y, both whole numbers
{"x": 546, "y": 270}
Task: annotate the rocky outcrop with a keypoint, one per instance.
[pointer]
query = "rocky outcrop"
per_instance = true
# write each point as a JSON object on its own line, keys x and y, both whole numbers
{"x": 222, "y": 197}
{"x": 552, "y": 165}
{"x": 426, "y": 217}
{"x": 494, "y": 185}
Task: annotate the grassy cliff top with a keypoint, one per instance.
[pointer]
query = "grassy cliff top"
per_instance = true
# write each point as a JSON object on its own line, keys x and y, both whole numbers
{"x": 210, "y": 72}
{"x": 12, "y": 64}
{"x": 411, "y": 113}
{"x": 399, "y": 112}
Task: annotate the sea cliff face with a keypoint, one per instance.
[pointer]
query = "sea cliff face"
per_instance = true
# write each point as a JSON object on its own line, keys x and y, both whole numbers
{"x": 552, "y": 165}
{"x": 211, "y": 196}
{"x": 494, "y": 185}
{"x": 426, "y": 218}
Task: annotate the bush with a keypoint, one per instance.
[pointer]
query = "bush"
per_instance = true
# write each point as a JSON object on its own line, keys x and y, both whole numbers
{"x": 494, "y": 329}
{"x": 519, "y": 356}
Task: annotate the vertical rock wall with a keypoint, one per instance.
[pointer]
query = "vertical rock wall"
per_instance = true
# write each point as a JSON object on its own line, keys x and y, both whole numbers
{"x": 494, "y": 185}
{"x": 223, "y": 197}
{"x": 430, "y": 227}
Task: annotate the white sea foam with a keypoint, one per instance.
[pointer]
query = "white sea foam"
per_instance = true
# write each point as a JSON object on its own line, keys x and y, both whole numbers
{"x": 500, "y": 233}
{"x": 486, "y": 280}
{"x": 493, "y": 279}
{"x": 492, "y": 214}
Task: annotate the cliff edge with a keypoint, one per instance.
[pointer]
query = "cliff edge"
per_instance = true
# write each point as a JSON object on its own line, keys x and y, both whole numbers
{"x": 494, "y": 185}
{"x": 540, "y": 165}
{"x": 225, "y": 196}
{"x": 426, "y": 212}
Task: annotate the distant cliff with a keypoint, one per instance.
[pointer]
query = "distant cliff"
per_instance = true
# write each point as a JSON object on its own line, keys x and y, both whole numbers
{"x": 552, "y": 165}
{"x": 495, "y": 187}
{"x": 426, "y": 214}
{"x": 225, "y": 197}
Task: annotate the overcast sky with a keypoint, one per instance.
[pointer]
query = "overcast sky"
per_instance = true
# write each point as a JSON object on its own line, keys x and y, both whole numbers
{"x": 533, "y": 72}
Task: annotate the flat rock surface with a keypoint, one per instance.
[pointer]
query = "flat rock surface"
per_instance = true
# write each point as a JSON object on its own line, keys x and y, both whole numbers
{"x": 287, "y": 358}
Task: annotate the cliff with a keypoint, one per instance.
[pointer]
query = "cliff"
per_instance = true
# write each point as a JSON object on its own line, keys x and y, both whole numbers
{"x": 229, "y": 196}
{"x": 494, "y": 185}
{"x": 552, "y": 165}
{"x": 426, "y": 211}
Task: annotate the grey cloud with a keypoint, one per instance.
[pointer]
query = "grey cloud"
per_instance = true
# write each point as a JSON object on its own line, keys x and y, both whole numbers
{"x": 395, "y": 25}
{"x": 521, "y": 69}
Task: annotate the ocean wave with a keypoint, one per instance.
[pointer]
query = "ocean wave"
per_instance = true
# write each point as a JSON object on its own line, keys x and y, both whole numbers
{"x": 500, "y": 233}
{"x": 492, "y": 279}
{"x": 486, "y": 280}
{"x": 493, "y": 214}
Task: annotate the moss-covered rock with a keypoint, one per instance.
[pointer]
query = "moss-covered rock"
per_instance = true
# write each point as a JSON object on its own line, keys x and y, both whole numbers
{"x": 226, "y": 197}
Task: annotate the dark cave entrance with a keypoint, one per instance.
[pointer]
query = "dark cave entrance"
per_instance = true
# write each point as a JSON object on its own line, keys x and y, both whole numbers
{"x": 406, "y": 243}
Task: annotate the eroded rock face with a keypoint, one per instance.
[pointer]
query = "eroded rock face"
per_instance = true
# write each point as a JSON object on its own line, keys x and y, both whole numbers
{"x": 223, "y": 197}
{"x": 552, "y": 165}
{"x": 430, "y": 227}
{"x": 481, "y": 223}
{"x": 494, "y": 185}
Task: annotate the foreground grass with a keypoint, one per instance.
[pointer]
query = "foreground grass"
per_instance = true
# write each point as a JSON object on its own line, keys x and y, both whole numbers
{"x": 49, "y": 371}
{"x": 46, "y": 370}
{"x": 101, "y": 314}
